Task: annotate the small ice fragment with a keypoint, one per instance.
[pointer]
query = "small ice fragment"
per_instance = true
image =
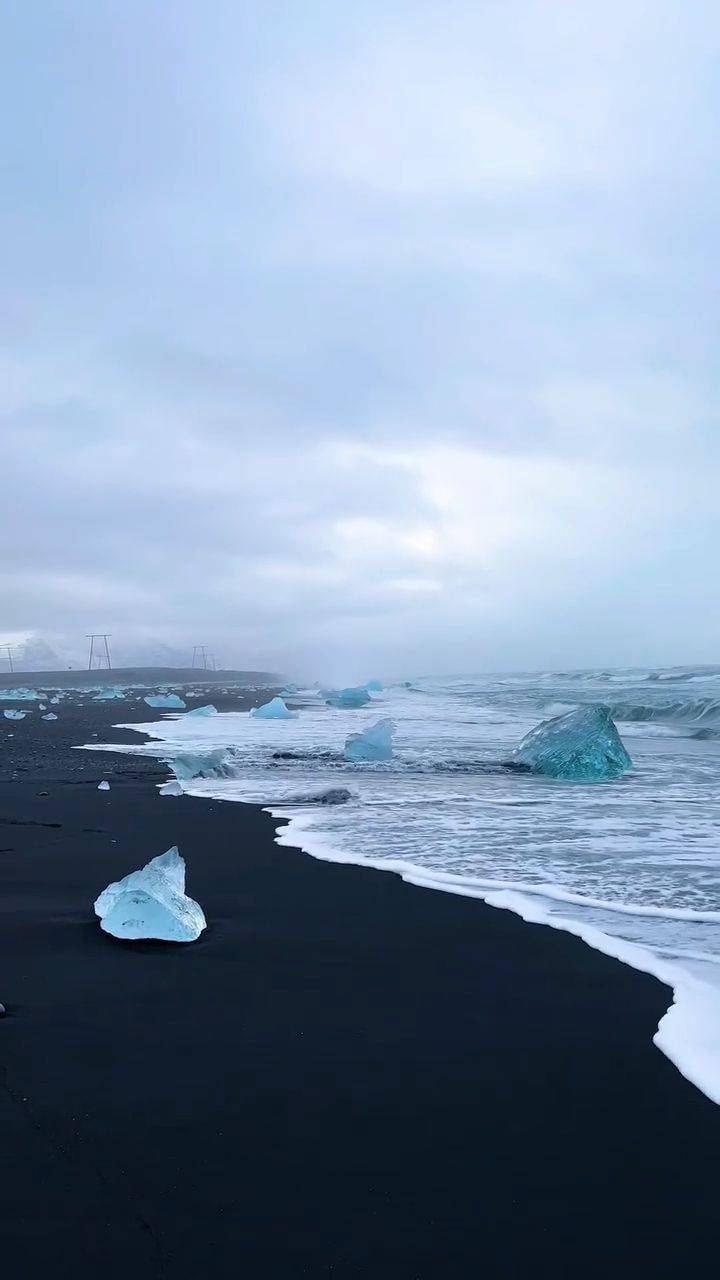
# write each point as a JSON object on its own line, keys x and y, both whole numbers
{"x": 273, "y": 710}
{"x": 54, "y": 701}
{"x": 331, "y": 795}
{"x": 582, "y": 744}
{"x": 169, "y": 700}
{"x": 208, "y": 764}
{"x": 348, "y": 699}
{"x": 374, "y": 743}
{"x": 51, "y": 716}
{"x": 209, "y": 710}
{"x": 107, "y": 695}
{"x": 171, "y": 789}
{"x": 103, "y": 786}
{"x": 14, "y": 715}
{"x": 42, "y": 707}
{"x": 151, "y": 903}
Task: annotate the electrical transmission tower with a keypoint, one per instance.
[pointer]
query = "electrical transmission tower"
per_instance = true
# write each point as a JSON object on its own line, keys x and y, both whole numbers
{"x": 97, "y": 657}
{"x": 8, "y": 648}
{"x": 199, "y": 658}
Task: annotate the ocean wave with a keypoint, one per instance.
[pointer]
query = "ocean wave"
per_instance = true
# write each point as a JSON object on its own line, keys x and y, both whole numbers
{"x": 688, "y": 710}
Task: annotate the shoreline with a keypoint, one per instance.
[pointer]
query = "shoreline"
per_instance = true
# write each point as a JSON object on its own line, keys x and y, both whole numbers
{"x": 347, "y": 1075}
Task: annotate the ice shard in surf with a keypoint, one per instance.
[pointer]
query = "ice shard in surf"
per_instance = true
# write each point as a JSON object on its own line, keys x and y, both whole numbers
{"x": 172, "y": 788}
{"x": 372, "y": 744}
{"x": 208, "y": 710}
{"x": 152, "y": 903}
{"x": 275, "y": 709}
{"x": 201, "y": 764}
{"x": 171, "y": 701}
{"x": 582, "y": 744}
{"x": 347, "y": 699}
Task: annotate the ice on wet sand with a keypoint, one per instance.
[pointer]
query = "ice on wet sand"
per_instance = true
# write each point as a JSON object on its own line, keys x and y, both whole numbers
{"x": 152, "y": 903}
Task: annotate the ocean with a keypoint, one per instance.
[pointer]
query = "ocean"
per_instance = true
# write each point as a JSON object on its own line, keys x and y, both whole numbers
{"x": 631, "y": 866}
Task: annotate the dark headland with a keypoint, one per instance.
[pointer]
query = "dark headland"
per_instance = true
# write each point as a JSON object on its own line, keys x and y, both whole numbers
{"x": 347, "y": 1076}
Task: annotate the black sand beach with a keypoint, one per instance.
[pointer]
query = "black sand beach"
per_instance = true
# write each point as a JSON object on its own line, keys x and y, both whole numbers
{"x": 346, "y": 1076}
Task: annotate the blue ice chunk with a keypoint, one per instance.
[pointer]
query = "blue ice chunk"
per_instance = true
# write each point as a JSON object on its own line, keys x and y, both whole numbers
{"x": 356, "y": 696}
{"x": 107, "y": 695}
{"x": 582, "y": 744}
{"x": 289, "y": 690}
{"x": 209, "y": 710}
{"x": 275, "y": 709}
{"x": 152, "y": 903}
{"x": 373, "y": 686}
{"x": 169, "y": 700}
{"x": 201, "y": 764}
{"x": 374, "y": 743}
{"x": 14, "y": 715}
{"x": 20, "y": 695}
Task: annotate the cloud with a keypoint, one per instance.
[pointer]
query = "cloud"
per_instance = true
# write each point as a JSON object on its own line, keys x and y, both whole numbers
{"x": 361, "y": 337}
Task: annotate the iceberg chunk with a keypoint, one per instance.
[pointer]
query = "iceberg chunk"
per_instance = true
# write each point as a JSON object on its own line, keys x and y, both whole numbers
{"x": 50, "y": 716}
{"x": 347, "y": 698}
{"x": 20, "y": 695}
{"x": 374, "y": 743}
{"x": 107, "y": 695}
{"x": 373, "y": 686}
{"x": 103, "y": 786}
{"x": 275, "y": 709}
{"x": 209, "y": 710}
{"x": 151, "y": 903}
{"x": 582, "y": 744}
{"x": 171, "y": 789}
{"x": 288, "y": 690}
{"x": 170, "y": 700}
{"x": 207, "y": 764}
{"x": 15, "y": 715}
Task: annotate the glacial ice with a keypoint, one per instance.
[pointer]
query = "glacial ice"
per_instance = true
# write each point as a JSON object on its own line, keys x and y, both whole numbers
{"x": 374, "y": 743}
{"x": 288, "y": 690}
{"x": 50, "y": 716}
{"x": 209, "y": 710}
{"x": 14, "y": 715}
{"x": 20, "y": 695}
{"x": 169, "y": 700}
{"x": 171, "y": 789}
{"x": 275, "y": 709}
{"x": 206, "y": 764}
{"x": 107, "y": 695}
{"x": 151, "y": 903}
{"x": 103, "y": 786}
{"x": 582, "y": 744}
{"x": 373, "y": 686}
{"x": 330, "y": 795}
{"x": 347, "y": 699}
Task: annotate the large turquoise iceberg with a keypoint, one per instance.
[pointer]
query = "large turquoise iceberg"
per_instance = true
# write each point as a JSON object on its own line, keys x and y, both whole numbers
{"x": 275, "y": 709}
{"x": 374, "y": 743}
{"x": 582, "y": 744}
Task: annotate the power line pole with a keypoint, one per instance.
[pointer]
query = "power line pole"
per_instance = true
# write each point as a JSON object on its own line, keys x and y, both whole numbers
{"x": 97, "y": 656}
{"x": 8, "y": 649}
{"x": 199, "y": 658}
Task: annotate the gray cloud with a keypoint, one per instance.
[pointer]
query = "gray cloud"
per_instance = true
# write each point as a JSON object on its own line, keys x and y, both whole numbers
{"x": 361, "y": 337}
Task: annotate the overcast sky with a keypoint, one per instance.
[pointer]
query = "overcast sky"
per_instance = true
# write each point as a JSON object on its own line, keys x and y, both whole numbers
{"x": 362, "y": 337}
